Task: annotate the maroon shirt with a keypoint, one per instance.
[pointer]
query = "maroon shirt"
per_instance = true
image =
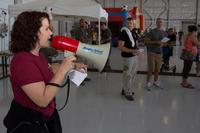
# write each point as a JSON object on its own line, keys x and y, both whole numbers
{"x": 27, "y": 68}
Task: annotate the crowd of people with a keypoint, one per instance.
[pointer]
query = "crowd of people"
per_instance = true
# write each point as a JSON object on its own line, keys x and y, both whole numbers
{"x": 158, "y": 51}
{"x": 33, "y": 108}
{"x": 88, "y": 33}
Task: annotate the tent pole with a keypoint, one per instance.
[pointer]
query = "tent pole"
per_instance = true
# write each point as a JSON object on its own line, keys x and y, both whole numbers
{"x": 9, "y": 28}
{"x": 99, "y": 31}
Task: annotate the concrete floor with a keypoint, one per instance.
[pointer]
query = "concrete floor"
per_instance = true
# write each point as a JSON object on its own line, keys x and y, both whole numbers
{"x": 98, "y": 106}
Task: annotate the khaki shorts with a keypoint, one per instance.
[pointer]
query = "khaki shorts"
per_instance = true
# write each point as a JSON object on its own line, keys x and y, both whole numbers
{"x": 154, "y": 61}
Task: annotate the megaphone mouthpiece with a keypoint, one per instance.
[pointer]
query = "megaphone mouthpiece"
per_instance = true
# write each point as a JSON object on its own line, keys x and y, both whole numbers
{"x": 64, "y": 43}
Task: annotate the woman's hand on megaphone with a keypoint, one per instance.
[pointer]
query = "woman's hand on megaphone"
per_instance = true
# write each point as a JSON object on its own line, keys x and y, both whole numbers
{"x": 80, "y": 67}
{"x": 67, "y": 64}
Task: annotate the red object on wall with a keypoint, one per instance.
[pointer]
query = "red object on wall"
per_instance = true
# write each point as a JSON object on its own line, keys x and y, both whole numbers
{"x": 116, "y": 17}
{"x": 138, "y": 15}
{"x": 113, "y": 10}
{"x": 142, "y": 22}
{"x": 134, "y": 12}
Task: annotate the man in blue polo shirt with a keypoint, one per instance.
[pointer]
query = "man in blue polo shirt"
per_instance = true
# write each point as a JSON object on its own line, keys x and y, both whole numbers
{"x": 154, "y": 52}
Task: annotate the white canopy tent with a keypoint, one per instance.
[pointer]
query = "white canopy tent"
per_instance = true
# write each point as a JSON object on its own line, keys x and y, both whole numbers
{"x": 85, "y": 8}
{"x": 67, "y": 8}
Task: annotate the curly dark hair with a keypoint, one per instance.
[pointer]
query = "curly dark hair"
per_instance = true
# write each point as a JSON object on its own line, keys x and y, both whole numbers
{"x": 24, "y": 34}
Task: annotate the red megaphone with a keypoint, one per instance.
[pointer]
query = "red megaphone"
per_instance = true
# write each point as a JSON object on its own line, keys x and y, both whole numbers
{"x": 64, "y": 43}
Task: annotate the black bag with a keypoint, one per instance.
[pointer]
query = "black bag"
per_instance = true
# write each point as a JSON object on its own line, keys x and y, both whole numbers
{"x": 54, "y": 124}
{"x": 21, "y": 119}
{"x": 187, "y": 55}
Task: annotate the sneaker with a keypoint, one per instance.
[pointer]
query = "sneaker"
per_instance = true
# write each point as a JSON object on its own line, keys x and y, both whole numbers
{"x": 123, "y": 92}
{"x": 157, "y": 84}
{"x": 148, "y": 86}
{"x": 129, "y": 97}
{"x": 187, "y": 85}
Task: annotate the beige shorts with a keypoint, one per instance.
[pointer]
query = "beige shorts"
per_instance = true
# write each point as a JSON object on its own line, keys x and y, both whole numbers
{"x": 154, "y": 61}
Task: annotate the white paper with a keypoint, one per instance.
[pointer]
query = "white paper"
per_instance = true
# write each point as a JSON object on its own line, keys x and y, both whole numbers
{"x": 77, "y": 77}
{"x": 165, "y": 39}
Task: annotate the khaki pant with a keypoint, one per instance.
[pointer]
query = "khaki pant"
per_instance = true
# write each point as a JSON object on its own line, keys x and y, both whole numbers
{"x": 130, "y": 66}
{"x": 154, "y": 61}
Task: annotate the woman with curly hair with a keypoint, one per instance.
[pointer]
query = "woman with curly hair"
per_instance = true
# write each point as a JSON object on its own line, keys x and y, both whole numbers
{"x": 34, "y": 83}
